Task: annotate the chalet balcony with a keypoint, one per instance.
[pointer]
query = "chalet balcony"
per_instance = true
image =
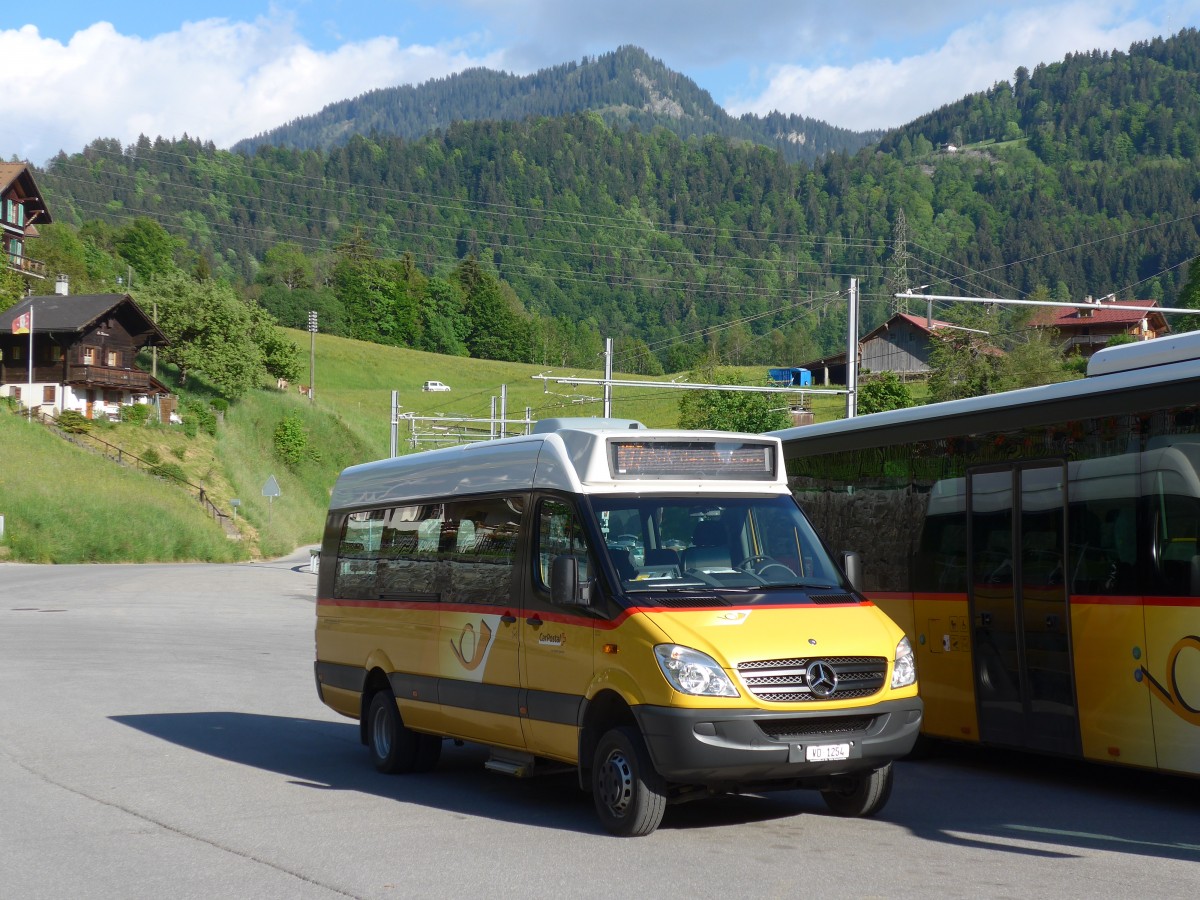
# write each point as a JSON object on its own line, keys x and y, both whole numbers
{"x": 26, "y": 266}
{"x": 107, "y": 377}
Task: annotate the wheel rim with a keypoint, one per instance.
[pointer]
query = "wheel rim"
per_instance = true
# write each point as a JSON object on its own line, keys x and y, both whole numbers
{"x": 381, "y": 734}
{"x": 616, "y": 782}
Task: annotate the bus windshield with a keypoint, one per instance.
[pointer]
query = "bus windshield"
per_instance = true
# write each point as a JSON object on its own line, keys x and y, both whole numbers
{"x": 701, "y": 543}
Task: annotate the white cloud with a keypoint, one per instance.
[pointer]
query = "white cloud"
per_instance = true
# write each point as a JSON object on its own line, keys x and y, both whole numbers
{"x": 883, "y": 93}
{"x": 214, "y": 79}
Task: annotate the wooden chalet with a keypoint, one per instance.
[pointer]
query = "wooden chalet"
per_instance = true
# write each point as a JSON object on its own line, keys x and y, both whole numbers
{"x": 1087, "y": 329}
{"x": 902, "y": 344}
{"x": 21, "y": 210}
{"x": 84, "y": 349}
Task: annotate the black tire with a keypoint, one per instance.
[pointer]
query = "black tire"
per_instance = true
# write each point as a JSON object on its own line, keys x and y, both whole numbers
{"x": 860, "y": 795}
{"x": 393, "y": 747}
{"x": 629, "y": 794}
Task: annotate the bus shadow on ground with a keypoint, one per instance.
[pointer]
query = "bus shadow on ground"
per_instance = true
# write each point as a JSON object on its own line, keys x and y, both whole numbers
{"x": 1029, "y": 807}
{"x": 1028, "y": 804}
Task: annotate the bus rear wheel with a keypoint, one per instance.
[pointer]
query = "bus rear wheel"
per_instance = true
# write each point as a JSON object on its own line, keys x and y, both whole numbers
{"x": 394, "y": 747}
{"x": 629, "y": 794}
{"x": 861, "y": 795}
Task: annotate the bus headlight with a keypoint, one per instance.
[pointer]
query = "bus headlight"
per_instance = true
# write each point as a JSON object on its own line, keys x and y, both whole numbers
{"x": 692, "y": 672}
{"x": 904, "y": 671}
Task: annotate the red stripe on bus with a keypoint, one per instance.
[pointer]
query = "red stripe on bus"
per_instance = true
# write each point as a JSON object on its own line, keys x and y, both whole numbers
{"x": 1076, "y": 599}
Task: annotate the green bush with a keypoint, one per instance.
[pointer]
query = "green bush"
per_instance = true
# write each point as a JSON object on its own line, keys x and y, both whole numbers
{"x": 170, "y": 470}
{"x": 151, "y": 456}
{"x": 74, "y": 422}
{"x": 196, "y": 416}
{"x": 291, "y": 441}
{"x": 220, "y": 405}
{"x": 136, "y": 413}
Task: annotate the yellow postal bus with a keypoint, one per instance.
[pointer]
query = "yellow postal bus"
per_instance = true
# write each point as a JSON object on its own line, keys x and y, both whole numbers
{"x": 650, "y": 607}
{"x": 1041, "y": 548}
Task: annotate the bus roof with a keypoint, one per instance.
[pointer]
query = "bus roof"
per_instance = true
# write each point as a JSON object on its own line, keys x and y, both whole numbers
{"x": 576, "y": 460}
{"x": 1117, "y": 383}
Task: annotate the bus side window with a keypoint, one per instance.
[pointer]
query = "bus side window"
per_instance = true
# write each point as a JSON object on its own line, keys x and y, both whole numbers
{"x": 408, "y": 556}
{"x": 480, "y": 555}
{"x": 358, "y": 555}
{"x": 559, "y": 533}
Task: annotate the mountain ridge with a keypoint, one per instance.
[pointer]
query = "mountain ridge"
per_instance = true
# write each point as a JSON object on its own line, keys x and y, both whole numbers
{"x": 627, "y": 88}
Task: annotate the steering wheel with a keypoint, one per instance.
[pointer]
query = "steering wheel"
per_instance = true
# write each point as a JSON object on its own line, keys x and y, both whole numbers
{"x": 760, "y": 565}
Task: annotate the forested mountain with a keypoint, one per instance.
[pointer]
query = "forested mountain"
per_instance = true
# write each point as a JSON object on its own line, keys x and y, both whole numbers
{"x": 626, "y": 88}
{"x": 1079, "y": 178}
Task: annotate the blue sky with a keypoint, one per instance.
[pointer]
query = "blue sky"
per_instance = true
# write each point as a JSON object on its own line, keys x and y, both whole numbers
{"x": 223, "y": 70}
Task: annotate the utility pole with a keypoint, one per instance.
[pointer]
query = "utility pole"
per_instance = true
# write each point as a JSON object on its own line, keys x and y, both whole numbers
{"x": 503, "y": 409}
{"x": 608, "y": 363}
{"x": 395, "y": 421}
{"x": 852, "y": 354}
{"x": 312, "y": 353}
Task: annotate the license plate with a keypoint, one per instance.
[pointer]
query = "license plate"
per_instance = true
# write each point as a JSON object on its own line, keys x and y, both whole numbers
{"x": 824, "y": 752}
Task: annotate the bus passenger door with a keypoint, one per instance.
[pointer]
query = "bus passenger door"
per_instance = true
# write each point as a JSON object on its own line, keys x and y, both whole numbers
{"x": 475, "y": 548}
{"x": 556, "y": 642}
{"x": 1018, "y": 598}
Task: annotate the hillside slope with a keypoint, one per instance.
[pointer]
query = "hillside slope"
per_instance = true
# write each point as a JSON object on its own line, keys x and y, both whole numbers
{"x": 64, "y": 504}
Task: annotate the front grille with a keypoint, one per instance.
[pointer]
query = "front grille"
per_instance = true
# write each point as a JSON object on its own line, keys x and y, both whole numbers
{"x": 800, "y": 729}
{"x": 786, "y": 680}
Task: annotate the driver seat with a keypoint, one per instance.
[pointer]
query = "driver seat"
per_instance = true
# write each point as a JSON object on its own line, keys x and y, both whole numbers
{"x": 710, "y": 550}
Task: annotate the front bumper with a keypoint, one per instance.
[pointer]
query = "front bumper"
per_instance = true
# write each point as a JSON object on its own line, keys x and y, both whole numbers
{"x": 726, "y": 748}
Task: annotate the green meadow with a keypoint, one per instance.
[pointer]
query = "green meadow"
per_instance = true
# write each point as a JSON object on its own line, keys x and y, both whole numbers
{"x": 64, "y": 504}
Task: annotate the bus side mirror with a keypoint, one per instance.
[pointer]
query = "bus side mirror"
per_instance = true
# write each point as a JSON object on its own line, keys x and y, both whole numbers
{"x": 564, "y": 582}
{"x": 852, "y": 566}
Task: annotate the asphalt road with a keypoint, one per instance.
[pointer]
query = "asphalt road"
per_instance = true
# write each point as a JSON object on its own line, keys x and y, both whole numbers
{"x": 160, "y": 736}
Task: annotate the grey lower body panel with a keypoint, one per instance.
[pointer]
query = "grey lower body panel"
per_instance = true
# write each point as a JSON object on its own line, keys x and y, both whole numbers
{"x": 723, "y": 748}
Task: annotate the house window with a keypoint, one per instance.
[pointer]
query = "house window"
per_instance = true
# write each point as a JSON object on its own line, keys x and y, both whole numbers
{"x": 89, "y": 356}
{"x": 48, "y": 394}
{"x": 55, "y": 353}
{"x": 16, "y": 392}
{"x": 114, "y": 358}
{"x": 18, "y": 352}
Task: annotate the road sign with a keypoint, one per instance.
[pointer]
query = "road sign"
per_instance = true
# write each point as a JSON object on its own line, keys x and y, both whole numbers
{"x": 271, "y": 488}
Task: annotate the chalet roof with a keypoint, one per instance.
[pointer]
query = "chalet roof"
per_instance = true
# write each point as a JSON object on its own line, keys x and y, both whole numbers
{"x": 77, "y": 313}
{"x": 19, "y": 174}
{"x": 918, "y": 322}
{"x": 1100, "y": 314}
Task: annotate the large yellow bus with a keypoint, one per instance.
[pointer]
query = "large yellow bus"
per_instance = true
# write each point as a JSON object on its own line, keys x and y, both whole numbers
{"x": 649, "y": 607}
{"x": 1040, "y": 549}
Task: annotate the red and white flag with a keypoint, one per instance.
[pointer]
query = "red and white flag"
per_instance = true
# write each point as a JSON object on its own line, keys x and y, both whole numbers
{"x": 22, "y": 323}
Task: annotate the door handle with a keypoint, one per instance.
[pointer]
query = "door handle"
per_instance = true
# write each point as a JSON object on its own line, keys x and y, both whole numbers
{"x": 534, "y": 621}
{"x": 508, "y": 618}
{"x": 985, "y": 619}
{"x": 1052, "y": 621}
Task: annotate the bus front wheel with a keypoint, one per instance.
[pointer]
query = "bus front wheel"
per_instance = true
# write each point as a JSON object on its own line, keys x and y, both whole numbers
{"x": 630, "y": 795}
{"x": 860, "y": 795}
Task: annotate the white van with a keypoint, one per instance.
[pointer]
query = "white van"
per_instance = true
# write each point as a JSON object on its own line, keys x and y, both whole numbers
{"x": 649, "y": 607}
{"x": 435, "y": 386}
